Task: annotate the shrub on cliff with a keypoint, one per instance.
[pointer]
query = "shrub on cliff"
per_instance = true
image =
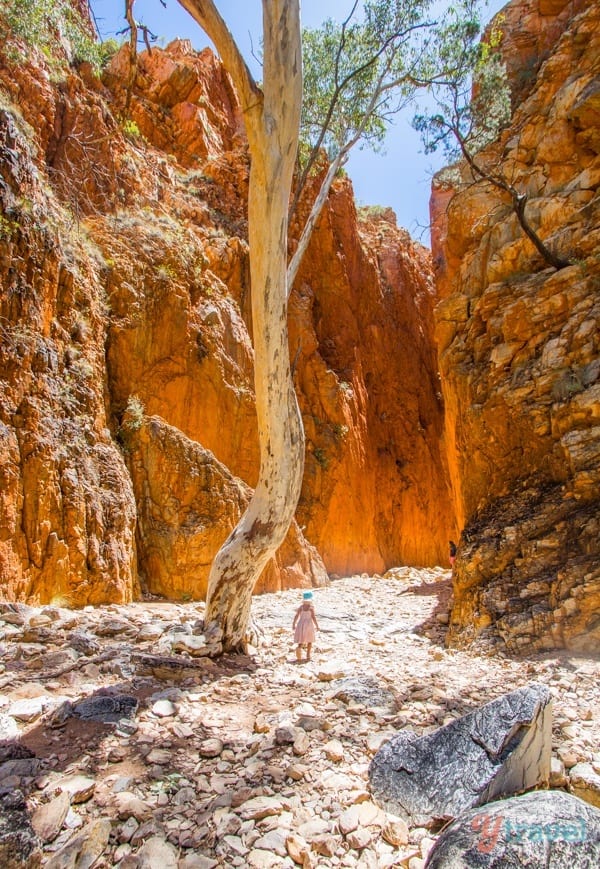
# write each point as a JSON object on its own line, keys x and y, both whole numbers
{"x": 57, "y": 29}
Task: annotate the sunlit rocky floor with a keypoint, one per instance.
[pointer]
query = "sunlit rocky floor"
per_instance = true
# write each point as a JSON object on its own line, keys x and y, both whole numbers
{"x": 259, "y": 761}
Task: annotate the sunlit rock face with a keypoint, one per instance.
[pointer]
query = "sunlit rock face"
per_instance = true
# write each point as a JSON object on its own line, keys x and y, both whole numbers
{"x": 376, "y": 491}
{"x": 125, "y": 295}
{"x": 519, "y": 352}
{"x": 376, "y": 488}
{"x": 188, "y": 502}
{"x": 67, "y": 510}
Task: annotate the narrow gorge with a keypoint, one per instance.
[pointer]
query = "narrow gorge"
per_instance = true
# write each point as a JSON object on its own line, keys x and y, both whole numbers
{"x": 452, "y": 394}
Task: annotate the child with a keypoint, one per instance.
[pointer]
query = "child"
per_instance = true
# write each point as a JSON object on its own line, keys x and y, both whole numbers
{"x": 305, "y": 622}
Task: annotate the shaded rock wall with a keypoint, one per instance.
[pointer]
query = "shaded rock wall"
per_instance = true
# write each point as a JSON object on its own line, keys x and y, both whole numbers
{"x": 84, "y": 257}
{"x": 126, "y": 247}
{"x": 519, "y": 353}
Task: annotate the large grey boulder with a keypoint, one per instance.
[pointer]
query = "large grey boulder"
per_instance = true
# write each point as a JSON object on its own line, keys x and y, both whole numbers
{"x": 548, "y": 829}
{"x": 501, "y": 749}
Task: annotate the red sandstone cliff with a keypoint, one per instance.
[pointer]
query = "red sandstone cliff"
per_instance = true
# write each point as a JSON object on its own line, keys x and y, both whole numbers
{"x": 519, "y": 349}
{"x": 127, "y": 410}
{"x": 375, "y": 490}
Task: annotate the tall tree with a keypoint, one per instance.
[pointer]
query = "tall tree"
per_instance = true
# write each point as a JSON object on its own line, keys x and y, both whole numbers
{"x": 470, "y": 107}
{"x": 360, "y": 73}
{"x": 272, "y": 119}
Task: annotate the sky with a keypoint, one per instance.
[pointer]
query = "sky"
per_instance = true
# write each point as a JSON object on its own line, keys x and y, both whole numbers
{"x": 400, "y": 177}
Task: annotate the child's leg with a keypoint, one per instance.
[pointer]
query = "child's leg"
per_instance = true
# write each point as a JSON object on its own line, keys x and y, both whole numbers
{"x": 298, "y": 652}
{"x": 308, "y": 648}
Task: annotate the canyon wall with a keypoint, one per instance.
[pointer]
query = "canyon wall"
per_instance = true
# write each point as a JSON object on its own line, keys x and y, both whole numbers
{"x": 519, "y": 348}
{"x": 375, "y": 490}
{"x": 126, "y": 391}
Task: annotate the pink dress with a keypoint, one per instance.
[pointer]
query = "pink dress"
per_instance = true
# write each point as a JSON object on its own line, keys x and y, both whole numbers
{"x": 305, "y": 628}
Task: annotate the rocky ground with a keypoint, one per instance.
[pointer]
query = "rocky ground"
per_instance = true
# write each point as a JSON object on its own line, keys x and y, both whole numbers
{"x": 131, "y": 752}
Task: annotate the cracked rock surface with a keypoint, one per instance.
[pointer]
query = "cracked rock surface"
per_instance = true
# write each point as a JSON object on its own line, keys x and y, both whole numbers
{"x": 499, "y": 750}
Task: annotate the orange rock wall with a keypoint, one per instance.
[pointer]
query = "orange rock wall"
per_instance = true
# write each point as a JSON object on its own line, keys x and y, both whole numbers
{"x": 129, "y": 435}
{"x": 519, "y": 351}
{"x": 67, "y": 508}
{"x": 375, "y": 491}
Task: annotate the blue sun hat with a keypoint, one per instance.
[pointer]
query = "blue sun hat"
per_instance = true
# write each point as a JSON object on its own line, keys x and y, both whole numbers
{"x": 307, "y": 595}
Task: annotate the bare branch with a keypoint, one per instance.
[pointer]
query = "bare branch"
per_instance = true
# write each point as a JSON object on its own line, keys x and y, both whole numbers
{"x": 206, "y": 14}
{"x": 132, "y": 72}
{"x": 518, "y": 202}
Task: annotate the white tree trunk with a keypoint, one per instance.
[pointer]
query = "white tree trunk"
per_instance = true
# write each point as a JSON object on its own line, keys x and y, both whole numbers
{"x": 315, "y": 213}
{"x": 272, "y": 120}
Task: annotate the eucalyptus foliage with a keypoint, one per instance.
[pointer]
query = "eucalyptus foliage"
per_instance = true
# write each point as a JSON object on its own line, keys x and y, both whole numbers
{"x": 471, "y": 105}
{"x": 471, "y": 102}
{"x": 358, "y": 73}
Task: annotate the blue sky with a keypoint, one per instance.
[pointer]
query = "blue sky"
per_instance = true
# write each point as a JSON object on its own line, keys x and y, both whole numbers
{"x": 400, "y": 177}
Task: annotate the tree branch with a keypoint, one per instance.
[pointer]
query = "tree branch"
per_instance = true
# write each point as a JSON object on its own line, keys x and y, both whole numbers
{"x": 206, "y": 14}
{"x": 395, "y": 36}
{"x": 518, "y": 202}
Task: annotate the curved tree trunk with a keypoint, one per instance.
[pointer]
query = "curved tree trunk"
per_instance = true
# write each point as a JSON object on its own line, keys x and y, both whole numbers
{"x": 272, "y": 120}
{"x": 519, "y": 202}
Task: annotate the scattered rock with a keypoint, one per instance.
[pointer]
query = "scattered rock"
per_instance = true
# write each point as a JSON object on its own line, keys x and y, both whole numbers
{"x": 108, "y": 708}
{"x": 159, "y": 756}
{"x": 365, "y": 690}
{"x": 20, "y": 848}
{"x": 584, "y": 782}
{"x": 164, "y": 709}
{"x": 194, "y": 646}
{"x": 259, "y": 859}
{"x": 47, "y": 820}
{"x": 213, "y": 782}
{"x": 334, "y": 750}
{"x": 130, "y": 806}
{"x": 260, "y": 807}
{"x": 8, "y": 728}
{"x": 210, "y": 748}
{"x": 360, "y": 838}
{"x": 29, "y": 709}
{"x": 558, "y": 775}
{"x": 331, "y": 670}
{"x": 311, "y": 830}
{"x": 285, "y": 735}
{"x": 196, "y": 861}
{"x": 301, "y": 743}
{"x": 155, "y": 852}
{"x": 83, "y": 849}
{"x": 273, "y": 841}
{"x": 395, "y": 831}
{"x": 13, "y": 749}
{"x": 79, "y": 787}
{"x": 297, "y": 848}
